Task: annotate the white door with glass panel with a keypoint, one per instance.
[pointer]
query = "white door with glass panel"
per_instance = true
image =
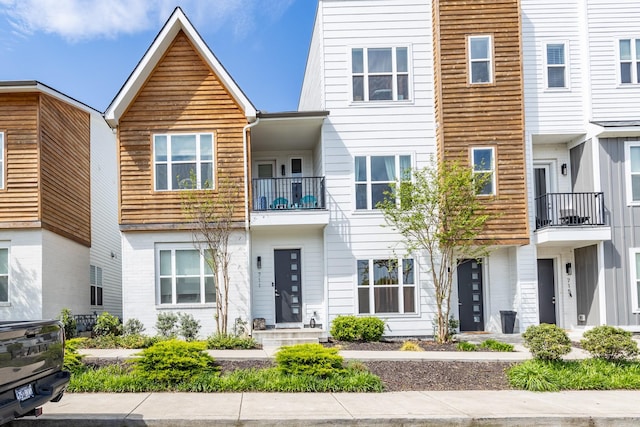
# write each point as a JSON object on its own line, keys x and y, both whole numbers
{"x": 264, "y": 188}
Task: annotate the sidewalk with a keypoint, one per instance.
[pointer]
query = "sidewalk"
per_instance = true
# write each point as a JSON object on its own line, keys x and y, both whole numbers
{"x": 415, "y": 408}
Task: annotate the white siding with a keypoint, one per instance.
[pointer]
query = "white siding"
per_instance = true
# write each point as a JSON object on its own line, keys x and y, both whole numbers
{"x": 310, "y": 243}
{"x": 139, "y": 278}
{"x": 25, "y": 275}
{"x": 607, "y": 23}
{"x": 552, "y": 111}
{"x": 312, "y": 95}
{"x": 65, "y": 276}
{"x": 105, "y": 235}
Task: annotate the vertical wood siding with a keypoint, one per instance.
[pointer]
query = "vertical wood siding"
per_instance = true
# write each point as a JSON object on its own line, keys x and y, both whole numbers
{"x": 182, "y": 95}
{"x": 484, "y": 114}
{"x": 65, "y": 170}
{"x": 19, "y": 200}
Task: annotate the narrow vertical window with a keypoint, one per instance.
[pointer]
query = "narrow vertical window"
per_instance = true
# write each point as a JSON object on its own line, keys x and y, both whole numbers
{"x": 556, "y": 66}
{"x": 484, "y": 169}
{"x": 632, "y": 169}
{"x": 95, "y": 280}
{"x": 480, "y": 59}
{"x": 634, "y": 260}
{"x": 4, "y": 275}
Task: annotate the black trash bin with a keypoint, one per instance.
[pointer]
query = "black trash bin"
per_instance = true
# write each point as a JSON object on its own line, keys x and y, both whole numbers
{"x": 508, "y": 320}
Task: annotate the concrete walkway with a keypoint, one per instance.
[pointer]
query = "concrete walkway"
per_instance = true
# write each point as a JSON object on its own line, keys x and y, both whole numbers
{"x": 415, "y": 408}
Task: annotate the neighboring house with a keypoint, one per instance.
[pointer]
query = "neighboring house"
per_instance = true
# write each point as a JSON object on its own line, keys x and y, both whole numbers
{"x": 59, "y": 245}
{"x": 178, "y": 112}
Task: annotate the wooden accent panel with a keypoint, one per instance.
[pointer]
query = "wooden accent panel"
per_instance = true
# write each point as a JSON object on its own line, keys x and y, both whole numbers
{"x": 65, "y": 170}
{"x": 182, "y": 95}
{"x": 19, "y": 200}
{"x": 484, "y": 114}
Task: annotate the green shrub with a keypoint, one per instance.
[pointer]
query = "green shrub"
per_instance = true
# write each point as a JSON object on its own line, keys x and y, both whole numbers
{"x": 68, "y": 322}
{"x": 547, "y": 342}
{"x": 73, "y": 359}
{"x": 345, "y": 328}
{"x": 610, "y": 343}
{"x": 370, "y": 328}
{"x": 188, "y": 327}
{"x": 466, "y": 346}
{"x": 107, "y": 324}
{"x": 494, "y": 345}
{"x": 353, "y": 328}
{"x": 132, "y": 327}
{"x": 167, "y": 324}
{"x": 172, "y": 362}
{"x": 309, "y": 359}
{"x": 224, "y": 341}
{"x": 411, "y": 346}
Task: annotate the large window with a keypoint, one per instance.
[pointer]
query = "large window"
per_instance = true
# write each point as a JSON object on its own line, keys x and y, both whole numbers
{"x": 632, "y": 172}
{"x": 184, "y": 277}
{"x": 556, "y": 64}
{"x": 634, "y": 260}
{"x": 4, "y": 274}
{"x": 375, "y": 176}
{"x": 178, "y": 159}
{"x": 386, "y": 286}
{"x": 484, "y": 169}
{"x": 480, "y": 59}
{"x": 95, "y": 279}
{"x": 380, "y": 74}
{"x": 1, "y": 160}
{"x": 629, "y": 60}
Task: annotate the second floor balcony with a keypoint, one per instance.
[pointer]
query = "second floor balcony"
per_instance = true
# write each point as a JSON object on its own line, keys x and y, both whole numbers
{"x": 571, "y": 218}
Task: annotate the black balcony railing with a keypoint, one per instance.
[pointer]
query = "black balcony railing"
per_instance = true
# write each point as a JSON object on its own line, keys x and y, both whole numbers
{"x": 288, "y": 193}
{"x": 569, "y": 209}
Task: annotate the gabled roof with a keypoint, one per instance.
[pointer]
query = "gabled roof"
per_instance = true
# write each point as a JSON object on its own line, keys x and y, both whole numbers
{"x": 176, "y": 22}
{"x": 23, "y": 86}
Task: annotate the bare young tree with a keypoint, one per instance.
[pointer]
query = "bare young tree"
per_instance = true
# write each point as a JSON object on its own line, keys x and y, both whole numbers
{"x": 439, "y": 214}
{"x": 212, "y": 219}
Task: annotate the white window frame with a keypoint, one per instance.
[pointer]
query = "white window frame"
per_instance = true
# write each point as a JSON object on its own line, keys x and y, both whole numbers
{"x": 488, "y": 60}
{"x": 369, "y": 183}
{"x": 5, "y": 247}
{"x": 491, "y": 170}
{"x": 174, "y": 295}
{"x": 634, "y": 61}
{"x": 365, "y": 74}
{"x": 401, "y": 286}
{"x": 548, "y": 66}
{"x": 198, "y": 161}
{"x": 628, "y": 145}
{"x": 96, "y": 288}
{"x": 634, "y": 280}
{"x": 2, "y": 161}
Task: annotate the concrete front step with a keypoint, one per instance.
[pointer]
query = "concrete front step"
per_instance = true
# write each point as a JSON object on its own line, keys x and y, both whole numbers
{"x": 280, "y": 337}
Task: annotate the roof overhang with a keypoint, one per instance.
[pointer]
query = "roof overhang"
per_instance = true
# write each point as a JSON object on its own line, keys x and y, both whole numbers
{"x": 178, "y": 21}
{"x": 293, "y": 130}
{"x": 34, "y": 86}
{"x": 616, "y": 129}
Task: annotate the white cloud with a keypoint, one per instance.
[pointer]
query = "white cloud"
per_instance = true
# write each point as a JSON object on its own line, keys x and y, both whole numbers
{"x": 76, "y": 20}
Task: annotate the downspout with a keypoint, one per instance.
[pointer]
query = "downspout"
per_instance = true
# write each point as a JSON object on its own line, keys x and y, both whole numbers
{"x": 245, "y": 149}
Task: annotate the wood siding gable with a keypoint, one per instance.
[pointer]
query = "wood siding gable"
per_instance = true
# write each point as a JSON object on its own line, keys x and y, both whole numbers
{"x": 484, "y": 115}
{"x": 182, "y": 95}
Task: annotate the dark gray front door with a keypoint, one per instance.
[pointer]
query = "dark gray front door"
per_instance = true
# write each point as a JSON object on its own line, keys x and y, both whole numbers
{"x": 470, "y": 307}
{"x": 546, "y": 291}
{"x": 288, "y": 290}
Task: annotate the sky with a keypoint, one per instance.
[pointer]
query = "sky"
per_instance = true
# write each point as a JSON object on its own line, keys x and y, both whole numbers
{"x": 87, "y": 49}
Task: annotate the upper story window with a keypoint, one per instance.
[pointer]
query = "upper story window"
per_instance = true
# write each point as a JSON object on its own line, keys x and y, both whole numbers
{"x": 556, "y": 65}
{"x": 184, "y": 277}
{"x": 178, "y": 158}
{"x": 480, "y": 59}
{"x": 1, "y": 160}
{"x": 386, "y": 286}
{"x": 380, "y": 74}
{"x": 632, "y": 172}
{"x": 375, "y": 175}
{"x": 95, "y": 281}
{"x": 630, "y": 61}
{"x": 484, "y": 165}
{"x": 4, "y": 274}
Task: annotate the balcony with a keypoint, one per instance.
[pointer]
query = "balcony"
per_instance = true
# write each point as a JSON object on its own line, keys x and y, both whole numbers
{"x": 572, "y": 219}
{"x": 289, "y": 201}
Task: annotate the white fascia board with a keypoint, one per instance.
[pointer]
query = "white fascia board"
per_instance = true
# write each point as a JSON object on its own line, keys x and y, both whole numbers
{"x": 178, "y": 21}
{"x": 37, "y": 87}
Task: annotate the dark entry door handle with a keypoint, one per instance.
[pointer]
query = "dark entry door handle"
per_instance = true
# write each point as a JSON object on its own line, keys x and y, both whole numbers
{"x": 277, "y": 293}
